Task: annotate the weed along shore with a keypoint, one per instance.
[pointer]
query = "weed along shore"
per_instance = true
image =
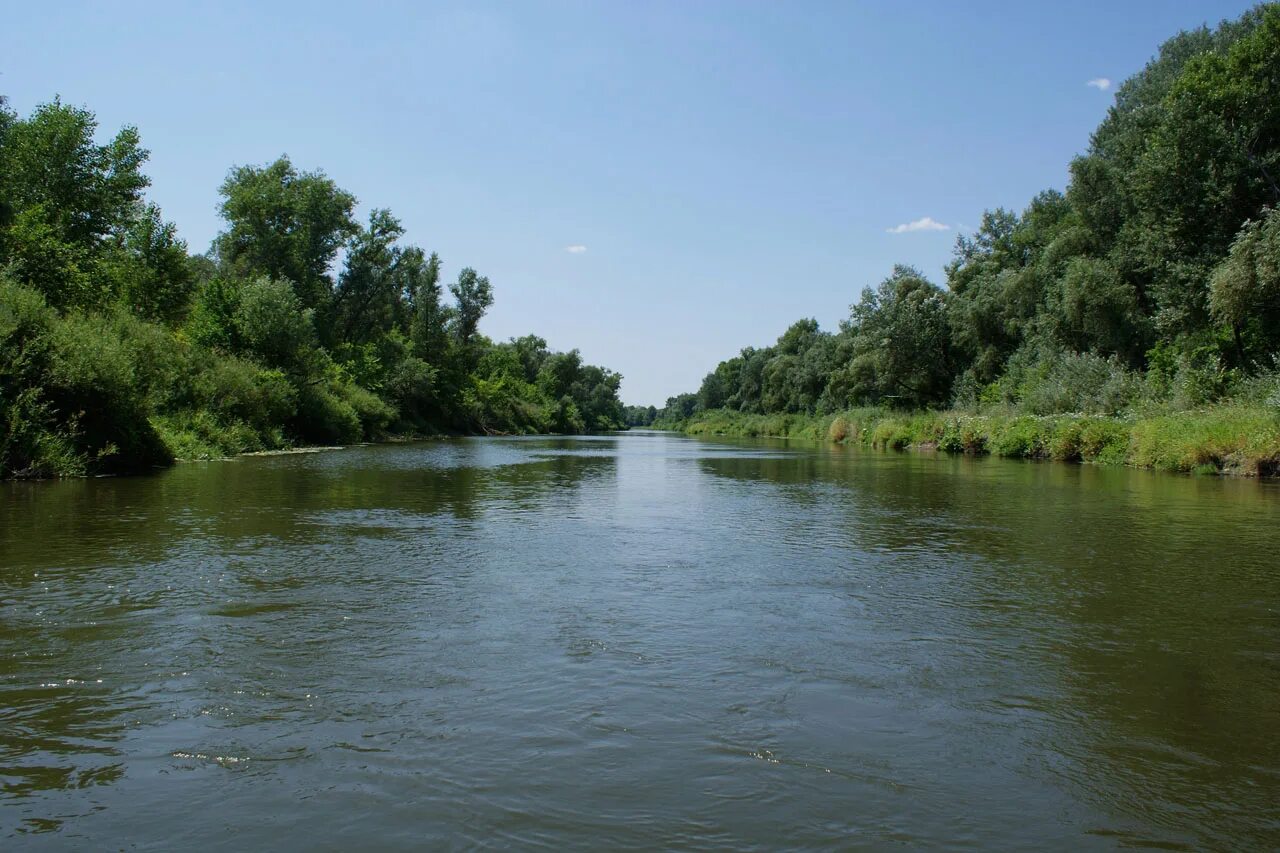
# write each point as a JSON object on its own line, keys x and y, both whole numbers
{"x": 1223, "y": 440}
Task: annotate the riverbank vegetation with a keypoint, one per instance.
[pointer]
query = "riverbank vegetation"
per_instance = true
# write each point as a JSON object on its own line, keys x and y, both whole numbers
{"x": 1133, "y": 318}
{"x": 120, "y": 350}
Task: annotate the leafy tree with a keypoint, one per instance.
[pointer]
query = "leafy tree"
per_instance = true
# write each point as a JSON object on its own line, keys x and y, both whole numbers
{"x": 531, "y": 352}
{"x": 901, "y": 348}
{"x": 153, "y": 275}
{"x": 272, "y": 326}
{"x": 286, "y": 225}
{"x": 1245, "y": 289}
{"x": 429, "y": 327}
{"x": 474, "y": 296}
{"x": 65, "y": 199}
{"x": 370, "y": 298}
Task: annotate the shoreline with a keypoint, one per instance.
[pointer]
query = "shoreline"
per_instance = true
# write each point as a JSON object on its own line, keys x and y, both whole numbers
{"x": 1226, "y": 440}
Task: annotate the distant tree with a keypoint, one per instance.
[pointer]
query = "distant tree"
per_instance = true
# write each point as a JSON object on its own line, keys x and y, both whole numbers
{"x": 532, "y": 353}
{"x": 429, "y": 325}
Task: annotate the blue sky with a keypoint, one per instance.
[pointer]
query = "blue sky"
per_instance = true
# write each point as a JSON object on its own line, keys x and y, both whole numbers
{"x": 656, "y": 183}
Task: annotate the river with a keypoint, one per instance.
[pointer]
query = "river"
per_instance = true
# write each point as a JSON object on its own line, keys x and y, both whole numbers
{"x": 639, "y": 641}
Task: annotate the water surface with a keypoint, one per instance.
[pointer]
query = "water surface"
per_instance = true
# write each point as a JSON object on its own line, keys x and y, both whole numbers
{"x": 639, "y": 641}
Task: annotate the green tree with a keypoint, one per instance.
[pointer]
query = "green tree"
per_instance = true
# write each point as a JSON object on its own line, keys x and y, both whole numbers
{"x": 273, "y": 326}
{"x": 369, "y": 300}
{"x": 153, "y": 275}
{"x": 67, "y": 201}
{"x": 474, "y": 296}
{"x": 286, "y": 225}
{"x": 429, "y": 326}
{"x": 1245, "y": 289}
{"x": 901, "y": 348}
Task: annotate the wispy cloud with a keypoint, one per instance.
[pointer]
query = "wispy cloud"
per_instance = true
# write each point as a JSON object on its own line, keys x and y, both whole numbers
{"x": 1102, "y": 84}
{"x": 575, "y": 249}
{"x": 928, "y": 223}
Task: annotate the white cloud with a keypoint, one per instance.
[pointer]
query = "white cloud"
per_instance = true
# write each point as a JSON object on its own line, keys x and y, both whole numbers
{"x": 928, "y": 223}
{"x": 1102, "y": 84}
{"x": 575, "y": 249}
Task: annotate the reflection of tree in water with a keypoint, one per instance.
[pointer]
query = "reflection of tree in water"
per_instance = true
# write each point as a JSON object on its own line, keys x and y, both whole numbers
{"x": 1141, "y": 606}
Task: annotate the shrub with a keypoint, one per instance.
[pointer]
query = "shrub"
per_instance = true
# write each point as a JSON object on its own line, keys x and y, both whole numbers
{"x": 30, "y": 443}
{"x": 272, "y": 325}
{"x": 325, "y": 418}
{"x": 371, "y": 410}
{"x": 1024, "y": 437}
{"x": 239, "y": 390}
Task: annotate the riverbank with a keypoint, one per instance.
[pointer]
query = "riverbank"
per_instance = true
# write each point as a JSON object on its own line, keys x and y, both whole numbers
{"x": 1229, "y": 439}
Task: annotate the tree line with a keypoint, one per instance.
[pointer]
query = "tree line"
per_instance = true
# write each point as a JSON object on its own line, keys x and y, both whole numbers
{"x": 1152, "y": 281}
{"x": 120, "y": 349}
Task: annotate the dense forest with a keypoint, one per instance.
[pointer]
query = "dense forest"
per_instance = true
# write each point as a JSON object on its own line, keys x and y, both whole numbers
{"x": 1150, "y": 286}
{"x": 120, "y": 350}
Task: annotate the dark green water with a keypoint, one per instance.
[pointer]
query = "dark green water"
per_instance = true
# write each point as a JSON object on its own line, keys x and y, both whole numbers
{"x": 635, "y": 642}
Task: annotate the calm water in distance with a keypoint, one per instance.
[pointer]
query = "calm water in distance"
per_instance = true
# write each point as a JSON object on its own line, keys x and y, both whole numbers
{"x": 639, "y": 641}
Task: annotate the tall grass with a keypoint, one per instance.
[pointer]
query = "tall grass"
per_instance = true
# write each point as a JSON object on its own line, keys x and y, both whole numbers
{"x": 1240, "y": 438}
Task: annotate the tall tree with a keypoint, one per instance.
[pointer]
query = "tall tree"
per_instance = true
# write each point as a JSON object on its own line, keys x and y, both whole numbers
{"x": 474, "y": 295}
{"x": 429, "y": 326}
{"x": 65, "y": 199}
{"x": 369, "y": 299}
{"x": 154, "y": 277}
{"x": 285, "y": 224}
{"x": 901, "y": 343}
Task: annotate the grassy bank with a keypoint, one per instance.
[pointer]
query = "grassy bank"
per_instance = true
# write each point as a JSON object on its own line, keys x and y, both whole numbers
{"x": 1234, "y": 439}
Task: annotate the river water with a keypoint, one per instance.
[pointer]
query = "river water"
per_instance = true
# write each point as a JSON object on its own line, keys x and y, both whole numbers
{"x": 639, "y": 641}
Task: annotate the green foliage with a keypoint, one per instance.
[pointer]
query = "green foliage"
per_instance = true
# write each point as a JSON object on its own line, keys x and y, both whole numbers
{"x": 270, "y": 325}
{"x": 474, "y": 296}
{"x": 93, "y": 385}
{"x": 639, "y": 416}
{"x": 1244, "y": 293}
{"x": 429, "y": 326}
{"x": 68, "y": 202}
{"x": 151, "y": 274}
{"x": 31, "y": 444}
{"x": 1151, "y": 286}
{"x": 324, "y": 417}
{"x": 1238, "y": 438}
{"x": 119, "y": 351}
{"x": 286, "y": 225}
{"x": 899, "y": 344}
{"x": 378, "y": 283}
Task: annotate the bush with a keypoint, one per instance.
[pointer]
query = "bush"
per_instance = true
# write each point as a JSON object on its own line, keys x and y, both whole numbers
{"x": 94, "y": 389}
{"x": 1078, "y": 383}
{"x": 1024, "y": 437}
{"x": 239, "y": 390}
{"x": 410, "y": 385}
{"x": 325, "y": 418}
{"x": 31, "y": 442}
{"x": 371, "y": 410}
{"x": 272, "y": 325}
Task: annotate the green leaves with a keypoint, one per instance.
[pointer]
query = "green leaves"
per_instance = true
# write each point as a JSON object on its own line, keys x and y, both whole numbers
{"x": 286, "y": 225}
{"x": 474, "y": 296}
